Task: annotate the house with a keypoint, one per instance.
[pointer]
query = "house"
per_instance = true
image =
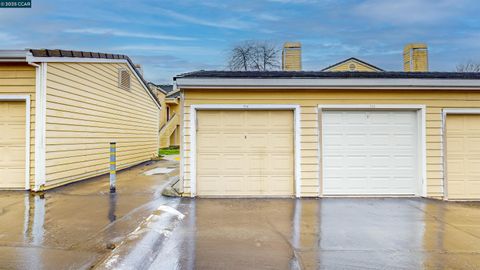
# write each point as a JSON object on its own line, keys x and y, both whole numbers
{"x": 61, "y": 109}
{"x": 317, "y": 134}
{"x": 310, "y": 134}
{"x": 353, "y": 64}
{"x": 169, "y": 117}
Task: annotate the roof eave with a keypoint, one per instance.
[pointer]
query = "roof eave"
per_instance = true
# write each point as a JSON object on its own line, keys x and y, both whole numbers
{"x": 13, "y": 55}
{"x": 326, "y": 83}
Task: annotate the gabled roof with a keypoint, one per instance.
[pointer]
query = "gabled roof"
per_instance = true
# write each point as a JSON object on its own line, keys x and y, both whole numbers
{"x": 43, "y": 54}
{"x": 353, "y": 59}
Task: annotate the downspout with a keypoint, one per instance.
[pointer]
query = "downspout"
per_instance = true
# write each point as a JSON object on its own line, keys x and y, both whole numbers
{"x": 40, "y": 123}
{"x": 182, "y": 141}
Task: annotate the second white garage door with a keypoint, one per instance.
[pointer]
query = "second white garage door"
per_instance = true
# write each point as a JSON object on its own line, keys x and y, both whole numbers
{"x": 245, "y": 153}
{"x": 370, "y": 152}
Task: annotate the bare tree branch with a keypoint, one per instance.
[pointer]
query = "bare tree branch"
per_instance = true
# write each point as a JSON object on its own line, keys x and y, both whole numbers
{"x": 254, "y": 55}
{"x": 469, "y": 66}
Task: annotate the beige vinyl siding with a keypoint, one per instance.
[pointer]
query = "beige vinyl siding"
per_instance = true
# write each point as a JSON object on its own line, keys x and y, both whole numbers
{"x": 346, "y": 67}
{"x": 86, "y": 110}
{"x": 310, "y": 99}
{"x": 19, "y": 79}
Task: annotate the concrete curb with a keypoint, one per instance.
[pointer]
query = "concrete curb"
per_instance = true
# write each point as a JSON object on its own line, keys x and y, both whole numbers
{"x": 169, "y": 190}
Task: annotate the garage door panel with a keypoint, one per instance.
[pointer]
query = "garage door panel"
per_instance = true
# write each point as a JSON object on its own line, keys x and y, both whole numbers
{"x": 209, "y": 141}
{"x": 12, "y": 144}
{"x": 370, "y": 152}
{"x": 250, "y": 153}
{"x": 209, "y": 120}
{"x": 463, "y": 157}
{"x": 209, "y": 162}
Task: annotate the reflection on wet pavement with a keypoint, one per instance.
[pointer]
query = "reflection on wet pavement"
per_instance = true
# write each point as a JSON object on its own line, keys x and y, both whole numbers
{"x": 74, "y": 226}
{"x": 330, "y": 233}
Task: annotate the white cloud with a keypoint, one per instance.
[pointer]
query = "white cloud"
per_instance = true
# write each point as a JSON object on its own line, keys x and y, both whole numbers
{"x": 267, "y": 17}
{"x": 119, "y": 33}
{"x": 231, "y": 23}
{"x": 150, "y": 49}
{"x": 9, "y": 41}
{"x": 293, "y": 1}
{"x": 410, "y": 11}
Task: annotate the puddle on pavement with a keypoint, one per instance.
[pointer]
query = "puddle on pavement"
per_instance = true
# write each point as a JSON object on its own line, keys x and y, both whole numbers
{"x": 323, "y": 234}
{"x": 77, "y": 223}
{"x": 159, "y": 171}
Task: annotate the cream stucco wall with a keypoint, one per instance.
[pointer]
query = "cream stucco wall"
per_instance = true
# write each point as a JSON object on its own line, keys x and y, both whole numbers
{"x": 309, "y": 101}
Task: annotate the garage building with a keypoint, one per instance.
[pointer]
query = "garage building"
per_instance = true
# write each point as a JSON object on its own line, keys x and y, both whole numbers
{"x": 59, "y": 111}
{"x": 316, "y": 134}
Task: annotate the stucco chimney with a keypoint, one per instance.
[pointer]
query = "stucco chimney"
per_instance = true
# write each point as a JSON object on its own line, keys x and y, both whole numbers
{"x": 415, "y": 57}
{"x": 292, "y": 56}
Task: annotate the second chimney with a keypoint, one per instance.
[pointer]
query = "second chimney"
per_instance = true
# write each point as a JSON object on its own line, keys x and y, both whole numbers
{"x": 292, "y": 56}
{"x": 415, "y": 57}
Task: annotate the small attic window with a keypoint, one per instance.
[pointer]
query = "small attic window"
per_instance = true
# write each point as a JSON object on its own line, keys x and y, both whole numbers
{"x": 123, "y": 79}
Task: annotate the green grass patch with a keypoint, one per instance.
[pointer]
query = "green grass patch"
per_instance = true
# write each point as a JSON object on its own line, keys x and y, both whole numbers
{"x": 172, "y": 150}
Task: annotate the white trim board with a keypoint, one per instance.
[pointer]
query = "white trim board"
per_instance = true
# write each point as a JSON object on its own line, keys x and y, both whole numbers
{"x": 25, "y": 98}
{"x": 40, "y": 125}
{"x": 328, "y": 83}
{"x": 193, "y": 136}
{"x": 421, "y": 119}
{"x": 445, "y": 113}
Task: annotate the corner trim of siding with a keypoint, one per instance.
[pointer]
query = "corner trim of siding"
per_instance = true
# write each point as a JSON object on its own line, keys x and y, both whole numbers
{"x": 193, "y": 137}
{"x": 40, "y": 125}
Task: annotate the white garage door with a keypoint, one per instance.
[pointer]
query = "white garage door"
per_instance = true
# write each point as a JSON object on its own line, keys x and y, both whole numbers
{"x": 12, "y": 145}
{"x": 370, "y": 153}
{"x": 245, "y": 153}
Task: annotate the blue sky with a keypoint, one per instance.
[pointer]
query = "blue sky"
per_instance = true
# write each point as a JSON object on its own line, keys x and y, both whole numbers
{"x": 171, "y": 37}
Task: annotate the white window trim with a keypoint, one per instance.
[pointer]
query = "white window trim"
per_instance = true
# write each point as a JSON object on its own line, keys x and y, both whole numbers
{"x": 445, "y": 113}
{"x": 193, "y": 136}
{"x": 421, "y": 118}
{"x": 25, "y": 98}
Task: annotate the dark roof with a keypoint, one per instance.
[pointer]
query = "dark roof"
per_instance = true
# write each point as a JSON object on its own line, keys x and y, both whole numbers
{"x": 167, "y": 87}
{"x": 355, "y": 59}
{"x": 82, "y": 54}
{"x": 77, "y": 54}
{"x": 173, "y": 94}
{"x": 329, "y": 75}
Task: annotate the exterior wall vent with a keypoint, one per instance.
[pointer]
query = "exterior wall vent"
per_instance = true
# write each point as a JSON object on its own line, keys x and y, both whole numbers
{"x": 123, "y": 79}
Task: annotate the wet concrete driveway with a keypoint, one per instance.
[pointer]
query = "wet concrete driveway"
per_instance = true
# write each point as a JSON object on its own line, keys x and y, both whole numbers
{"x": 74, "y": 226}
{"x": 323, "y": 234}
